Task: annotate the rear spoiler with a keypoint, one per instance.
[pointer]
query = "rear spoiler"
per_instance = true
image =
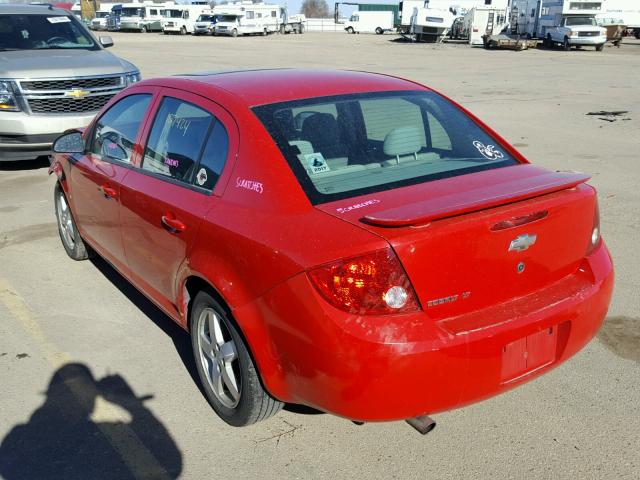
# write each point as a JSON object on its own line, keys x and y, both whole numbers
{"x": 483, "y": 197}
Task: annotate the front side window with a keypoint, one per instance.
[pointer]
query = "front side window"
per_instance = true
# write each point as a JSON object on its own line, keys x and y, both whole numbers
{"x": 187, "y": 144}
{"x": 349, "y": 145}
{"x": 249, "y": 15}
{"x": 115, "y": 132}
{"x": 43, "y": 32}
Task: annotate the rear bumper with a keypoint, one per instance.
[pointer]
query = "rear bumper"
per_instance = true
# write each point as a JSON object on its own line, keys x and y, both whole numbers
{"x": 397, "y": 367}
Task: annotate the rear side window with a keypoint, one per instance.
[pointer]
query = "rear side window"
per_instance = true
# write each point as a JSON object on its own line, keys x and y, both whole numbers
{"x": 187, "y": 144}
{"x": 349, "y": 145}
{"x": 115, "y": 132}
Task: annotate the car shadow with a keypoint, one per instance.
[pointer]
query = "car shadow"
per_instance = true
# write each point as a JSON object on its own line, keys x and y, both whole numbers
{"x": 181, "y": 340}
{"x": 24, "y": 165}
{"x": 90, "y": 428}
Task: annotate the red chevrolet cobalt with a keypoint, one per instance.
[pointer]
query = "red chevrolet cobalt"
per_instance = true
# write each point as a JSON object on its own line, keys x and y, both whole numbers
{"x": 353, "y": 242}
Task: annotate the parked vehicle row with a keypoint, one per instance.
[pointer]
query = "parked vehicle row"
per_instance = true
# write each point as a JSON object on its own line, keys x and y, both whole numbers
{"x": 233, "y": 19}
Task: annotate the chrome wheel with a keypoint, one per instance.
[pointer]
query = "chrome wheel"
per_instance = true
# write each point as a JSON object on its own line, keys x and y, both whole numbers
{"x": 65, "y": 222}
{"x": 219, "y": 357}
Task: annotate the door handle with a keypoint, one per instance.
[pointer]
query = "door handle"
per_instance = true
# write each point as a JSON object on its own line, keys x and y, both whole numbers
{"x": 172, "y": 224}
{"x": 108, "y": 192}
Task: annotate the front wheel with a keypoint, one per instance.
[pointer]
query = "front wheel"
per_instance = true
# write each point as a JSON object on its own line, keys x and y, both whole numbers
{"x": 566, "y": 46}
{"x": 183, "y": 31}
{"x": 379, "y": 31}
{"x": 301, "y": 29}
{"x": 69, "y": 235}
{"x": 350, "y": 30}
{"x": 264, "y": 32}
{"x": 234, "y": 32}
{"x": 600, "y": 47}
{"x": 227, "y": 372}
{"x": 143, "y": 29}
{"x": 282, "y": 30}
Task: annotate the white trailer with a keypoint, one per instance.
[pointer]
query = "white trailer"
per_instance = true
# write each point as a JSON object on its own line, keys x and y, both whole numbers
{"x": 142, "y": 17}
{"x": 181, "y": 18}
{"x": 246, "y": 18}
{"x": 481, "y": 21}
{"x": 370, "y": 22}
{"x": 623, "y": 12}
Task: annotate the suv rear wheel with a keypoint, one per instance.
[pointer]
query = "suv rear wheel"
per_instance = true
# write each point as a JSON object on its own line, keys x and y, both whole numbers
{"x": 228, "y": 375}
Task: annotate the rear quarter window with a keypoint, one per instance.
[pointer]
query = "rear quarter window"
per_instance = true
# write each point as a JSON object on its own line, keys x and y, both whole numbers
{"x": 349, "y": 145}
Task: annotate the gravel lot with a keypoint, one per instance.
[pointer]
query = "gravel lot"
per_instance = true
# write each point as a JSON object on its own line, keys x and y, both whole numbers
{"x": 579, "y": 421}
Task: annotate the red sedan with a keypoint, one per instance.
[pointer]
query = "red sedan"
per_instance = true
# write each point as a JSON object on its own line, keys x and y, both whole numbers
{"x": 349, "y": 241}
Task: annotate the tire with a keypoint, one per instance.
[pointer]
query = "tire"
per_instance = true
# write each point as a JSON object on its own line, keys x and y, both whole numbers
{"x": 264, "y": 32}
{"x": 301, "y": 29}
{"x": 183, "y": 31}
{"x": 239, "y": 399}
{"x": 600, "y": 47}
{"x": 282, "y": 30}
{"x": 350, "y": 30}
{"x": 548, "y": 42}
{"x": 566, "y": 46}
{"x": 69, "y": 235}
{"x": 143, "y": 29}
{"x": 234, "y": 32}
{"x": 379, "y": 31}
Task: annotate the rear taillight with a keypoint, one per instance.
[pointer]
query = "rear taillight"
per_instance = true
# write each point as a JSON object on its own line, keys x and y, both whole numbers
{"x": 594, "y": 240}
{"x": 370, "y": 284}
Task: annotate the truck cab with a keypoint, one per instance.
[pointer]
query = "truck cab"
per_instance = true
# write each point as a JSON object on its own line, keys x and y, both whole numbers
{"x": 181, "y": 18}
{"x": 577, "y": 30}
{"x": 370, "y": 22}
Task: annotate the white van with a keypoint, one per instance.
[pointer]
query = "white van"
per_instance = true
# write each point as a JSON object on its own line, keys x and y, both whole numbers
{"x": 246, "y": 18}
{"x": 370, "y": 22}
{"x": 181, "y": 18}
{"x": 142, "y": 17}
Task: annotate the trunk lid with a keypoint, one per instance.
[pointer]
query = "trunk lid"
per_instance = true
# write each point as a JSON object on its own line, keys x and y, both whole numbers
{"x": 476, "y": 240}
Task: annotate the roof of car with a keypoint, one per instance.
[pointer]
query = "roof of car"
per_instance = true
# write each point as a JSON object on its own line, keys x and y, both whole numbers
{"x": 17, "y": 9}
{"x": 260, "y": 87}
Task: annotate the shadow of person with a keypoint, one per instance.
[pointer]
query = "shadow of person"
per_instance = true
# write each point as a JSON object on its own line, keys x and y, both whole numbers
{"x": 78, "y": 433}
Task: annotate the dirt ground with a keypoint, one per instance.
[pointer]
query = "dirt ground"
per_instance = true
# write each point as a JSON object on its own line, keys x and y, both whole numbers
{"x": 62, "y": 320}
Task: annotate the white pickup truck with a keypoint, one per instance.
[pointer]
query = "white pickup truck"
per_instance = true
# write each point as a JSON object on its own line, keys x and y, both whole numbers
{"x": 578, "y": 31}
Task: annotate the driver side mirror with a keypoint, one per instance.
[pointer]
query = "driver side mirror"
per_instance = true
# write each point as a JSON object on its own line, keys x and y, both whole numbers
{"x": 106, "y": 42}
{"x": 69, "y": 143}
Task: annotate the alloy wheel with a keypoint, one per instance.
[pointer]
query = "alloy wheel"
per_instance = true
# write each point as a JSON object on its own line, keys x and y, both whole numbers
{"x": 219, "y": 357}
{"x": 65, "y": 222}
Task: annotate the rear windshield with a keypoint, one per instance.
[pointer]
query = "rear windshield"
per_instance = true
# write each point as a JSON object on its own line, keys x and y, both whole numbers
{"x": 349, "y": 145}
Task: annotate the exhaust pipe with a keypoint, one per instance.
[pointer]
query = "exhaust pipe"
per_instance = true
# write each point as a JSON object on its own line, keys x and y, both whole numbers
{"x": 422, "y": 424}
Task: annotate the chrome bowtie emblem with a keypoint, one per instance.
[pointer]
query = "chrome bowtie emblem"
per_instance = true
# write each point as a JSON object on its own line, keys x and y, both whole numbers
{"x": 522, "y": 242}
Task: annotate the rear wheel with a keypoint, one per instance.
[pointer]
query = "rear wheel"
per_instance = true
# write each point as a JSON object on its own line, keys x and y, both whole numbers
{"x": 301, "y": 29}
{"x": 264, "y": 32}
{"x": 379, "y": 31}
{"x": 227, "y": 372}
{"x": 548, "y": 42}
{"x": 71, "y": 240}
{"x": 282, "y": 30}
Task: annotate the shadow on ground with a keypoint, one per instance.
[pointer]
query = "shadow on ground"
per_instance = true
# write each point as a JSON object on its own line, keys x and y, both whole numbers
{"x": 621, "y": 335}
{"x": 181, "y": 340}
{"x": 90, "y": 429}
{"x": 40, "y": 162}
